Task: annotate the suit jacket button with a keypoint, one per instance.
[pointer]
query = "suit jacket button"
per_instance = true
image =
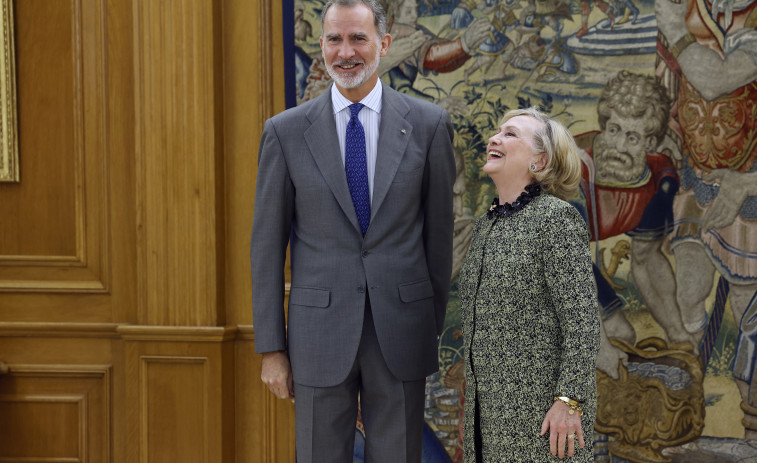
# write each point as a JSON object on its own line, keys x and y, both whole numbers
{"x": 364, "y": 253}
{"x": 361, "y": 289}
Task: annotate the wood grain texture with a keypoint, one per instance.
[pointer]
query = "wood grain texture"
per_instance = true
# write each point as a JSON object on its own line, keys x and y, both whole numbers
{"x": 253, "y": 92}
{"x": 177, "y": 132}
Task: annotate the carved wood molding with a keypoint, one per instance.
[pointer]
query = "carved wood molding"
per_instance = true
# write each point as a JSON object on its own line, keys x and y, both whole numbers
{"x": 246, "y": 333}
{"x": 266, "y": 69}
{"x": 101, "y": 372}
{"x": 177, "y": 333}
{"x": 9, "y": 166}
{"x": 212, "y": 334}
{"x": 58, "y": 330}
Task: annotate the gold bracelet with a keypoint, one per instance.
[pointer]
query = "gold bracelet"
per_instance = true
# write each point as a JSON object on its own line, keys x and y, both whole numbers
{"x": 575, "y": 406}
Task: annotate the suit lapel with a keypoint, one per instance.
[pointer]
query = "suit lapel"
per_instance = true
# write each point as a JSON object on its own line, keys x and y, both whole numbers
{"x": 394, "y": 135}
{"x": 324, "y": 147}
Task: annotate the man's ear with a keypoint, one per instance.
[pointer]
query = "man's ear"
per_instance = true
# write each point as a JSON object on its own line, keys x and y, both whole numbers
{"x": 650, "y": 144}
{"x": 385, "y": 43}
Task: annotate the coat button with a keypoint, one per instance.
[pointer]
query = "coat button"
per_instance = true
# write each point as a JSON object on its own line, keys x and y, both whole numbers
{"x": 364, "y": 253}
{"x": 361, "y": 289}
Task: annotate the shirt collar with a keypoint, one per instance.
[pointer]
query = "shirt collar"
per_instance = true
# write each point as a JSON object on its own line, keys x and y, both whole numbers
{"x": 371, "y": 100}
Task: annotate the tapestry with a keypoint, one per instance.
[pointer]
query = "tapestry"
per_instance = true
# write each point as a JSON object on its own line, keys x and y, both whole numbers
{"x": 661, "y": 97}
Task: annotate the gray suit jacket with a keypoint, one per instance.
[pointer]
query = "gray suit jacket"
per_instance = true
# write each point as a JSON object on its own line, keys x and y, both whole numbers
{"x": 403, "y": 262}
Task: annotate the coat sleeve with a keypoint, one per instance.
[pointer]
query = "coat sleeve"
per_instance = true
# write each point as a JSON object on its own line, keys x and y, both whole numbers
{"x": 568, "y": 271}
{"x": 438, "y": 223}
{"x": 271, "y": 224}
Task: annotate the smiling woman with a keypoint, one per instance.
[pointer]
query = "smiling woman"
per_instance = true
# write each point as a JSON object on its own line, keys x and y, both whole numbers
{"x": 529, "y": 304}
{"x": 9, "y": 171}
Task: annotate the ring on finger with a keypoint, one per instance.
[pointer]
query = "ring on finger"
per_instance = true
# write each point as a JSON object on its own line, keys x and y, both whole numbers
{"x": 572, "y": 436}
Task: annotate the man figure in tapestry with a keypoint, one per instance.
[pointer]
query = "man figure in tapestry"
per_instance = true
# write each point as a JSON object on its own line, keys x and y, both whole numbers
{"x": 628, "y": 187}
{"x": 716, "y": 208}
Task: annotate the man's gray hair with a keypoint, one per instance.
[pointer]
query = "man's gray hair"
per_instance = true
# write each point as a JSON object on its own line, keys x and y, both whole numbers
{"x": 379, "y": 16}
{"x": 638, "y": 96}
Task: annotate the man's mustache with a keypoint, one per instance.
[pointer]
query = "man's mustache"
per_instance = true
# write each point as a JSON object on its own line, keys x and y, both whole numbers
{"x": 347, "y": 62}
{"x": 609, "y": 155}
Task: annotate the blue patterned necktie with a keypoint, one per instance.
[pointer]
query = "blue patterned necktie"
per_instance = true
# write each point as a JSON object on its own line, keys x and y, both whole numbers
{"x": 356, "y": 167}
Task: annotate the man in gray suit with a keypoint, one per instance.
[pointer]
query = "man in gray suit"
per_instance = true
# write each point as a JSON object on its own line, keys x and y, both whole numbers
{"x": 370, "y": 261}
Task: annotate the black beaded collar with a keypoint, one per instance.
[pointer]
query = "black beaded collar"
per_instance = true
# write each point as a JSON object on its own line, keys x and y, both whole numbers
{"x": 504, "y": 210}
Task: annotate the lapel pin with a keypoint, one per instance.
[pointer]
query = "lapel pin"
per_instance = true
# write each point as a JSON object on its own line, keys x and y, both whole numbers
{"x": 404, "y": 132}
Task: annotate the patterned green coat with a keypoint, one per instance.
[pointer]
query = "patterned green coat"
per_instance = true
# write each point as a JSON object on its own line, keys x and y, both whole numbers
{"x": 531, "y": 329}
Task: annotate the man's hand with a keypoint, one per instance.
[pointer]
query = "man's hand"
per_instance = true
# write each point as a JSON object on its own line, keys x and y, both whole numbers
{"x": 560, "y": 425}
{"x": 276, "y": 373}
{"x": 475, "y": 34}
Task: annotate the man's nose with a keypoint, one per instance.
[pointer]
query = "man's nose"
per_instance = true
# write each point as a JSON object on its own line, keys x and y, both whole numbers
{"x": 621, "y": 143}
{"x": 346, "y": 51}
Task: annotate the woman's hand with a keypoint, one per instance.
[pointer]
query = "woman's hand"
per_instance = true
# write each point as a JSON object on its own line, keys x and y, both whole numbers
{"x": 563, "y": 427}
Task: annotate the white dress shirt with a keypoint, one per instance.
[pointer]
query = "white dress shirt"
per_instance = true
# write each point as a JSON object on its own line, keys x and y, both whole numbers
{"x": 369, "y": 116}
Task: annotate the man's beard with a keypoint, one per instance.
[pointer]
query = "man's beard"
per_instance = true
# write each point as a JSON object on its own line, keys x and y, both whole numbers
{"x": 613, "y": 166}
{"x": 357, "y": 78}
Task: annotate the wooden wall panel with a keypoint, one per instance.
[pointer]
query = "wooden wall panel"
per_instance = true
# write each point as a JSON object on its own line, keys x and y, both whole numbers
{"x": 253, "y": 92}
{"x": 43, "y": 204}
{"x": 180, "y": 387}
{"x": 56, "y": 239}
{"x": 96, "y": 285}
{"x": 141, "y": 121}
{"x": 178, "y": 146}
{"x": 56, "y": 413}
{"x": 52, "y": 424}
{"x": 174, "y": 408}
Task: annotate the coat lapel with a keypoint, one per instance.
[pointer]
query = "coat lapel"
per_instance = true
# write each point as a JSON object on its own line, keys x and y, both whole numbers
{"x": 394, "y": 135}
{"x": 324, "y": 147}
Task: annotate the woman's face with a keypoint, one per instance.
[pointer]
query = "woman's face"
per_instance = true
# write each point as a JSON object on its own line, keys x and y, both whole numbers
{"x": 510, "y": 152}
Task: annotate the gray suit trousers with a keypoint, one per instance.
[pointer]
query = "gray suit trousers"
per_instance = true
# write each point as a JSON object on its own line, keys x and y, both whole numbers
{"x": 391, "y": 410}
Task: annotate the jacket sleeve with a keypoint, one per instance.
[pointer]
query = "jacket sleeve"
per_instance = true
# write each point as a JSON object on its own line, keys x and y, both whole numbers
{"x": 438, "y": 223}
{"x": 568, "y": 271}
{"x": 272, "y": 220}
{"x": 445, "y": 56}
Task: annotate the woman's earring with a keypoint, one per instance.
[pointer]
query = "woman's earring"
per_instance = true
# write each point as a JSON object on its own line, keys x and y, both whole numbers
{"x": 533, "y": 167}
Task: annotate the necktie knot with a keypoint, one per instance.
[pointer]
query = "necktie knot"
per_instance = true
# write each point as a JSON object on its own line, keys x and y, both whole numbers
{"x": 355, "y": 109}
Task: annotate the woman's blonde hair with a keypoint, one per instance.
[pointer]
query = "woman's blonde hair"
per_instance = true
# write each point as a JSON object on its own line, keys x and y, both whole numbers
{"x": 562, "y": 171}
